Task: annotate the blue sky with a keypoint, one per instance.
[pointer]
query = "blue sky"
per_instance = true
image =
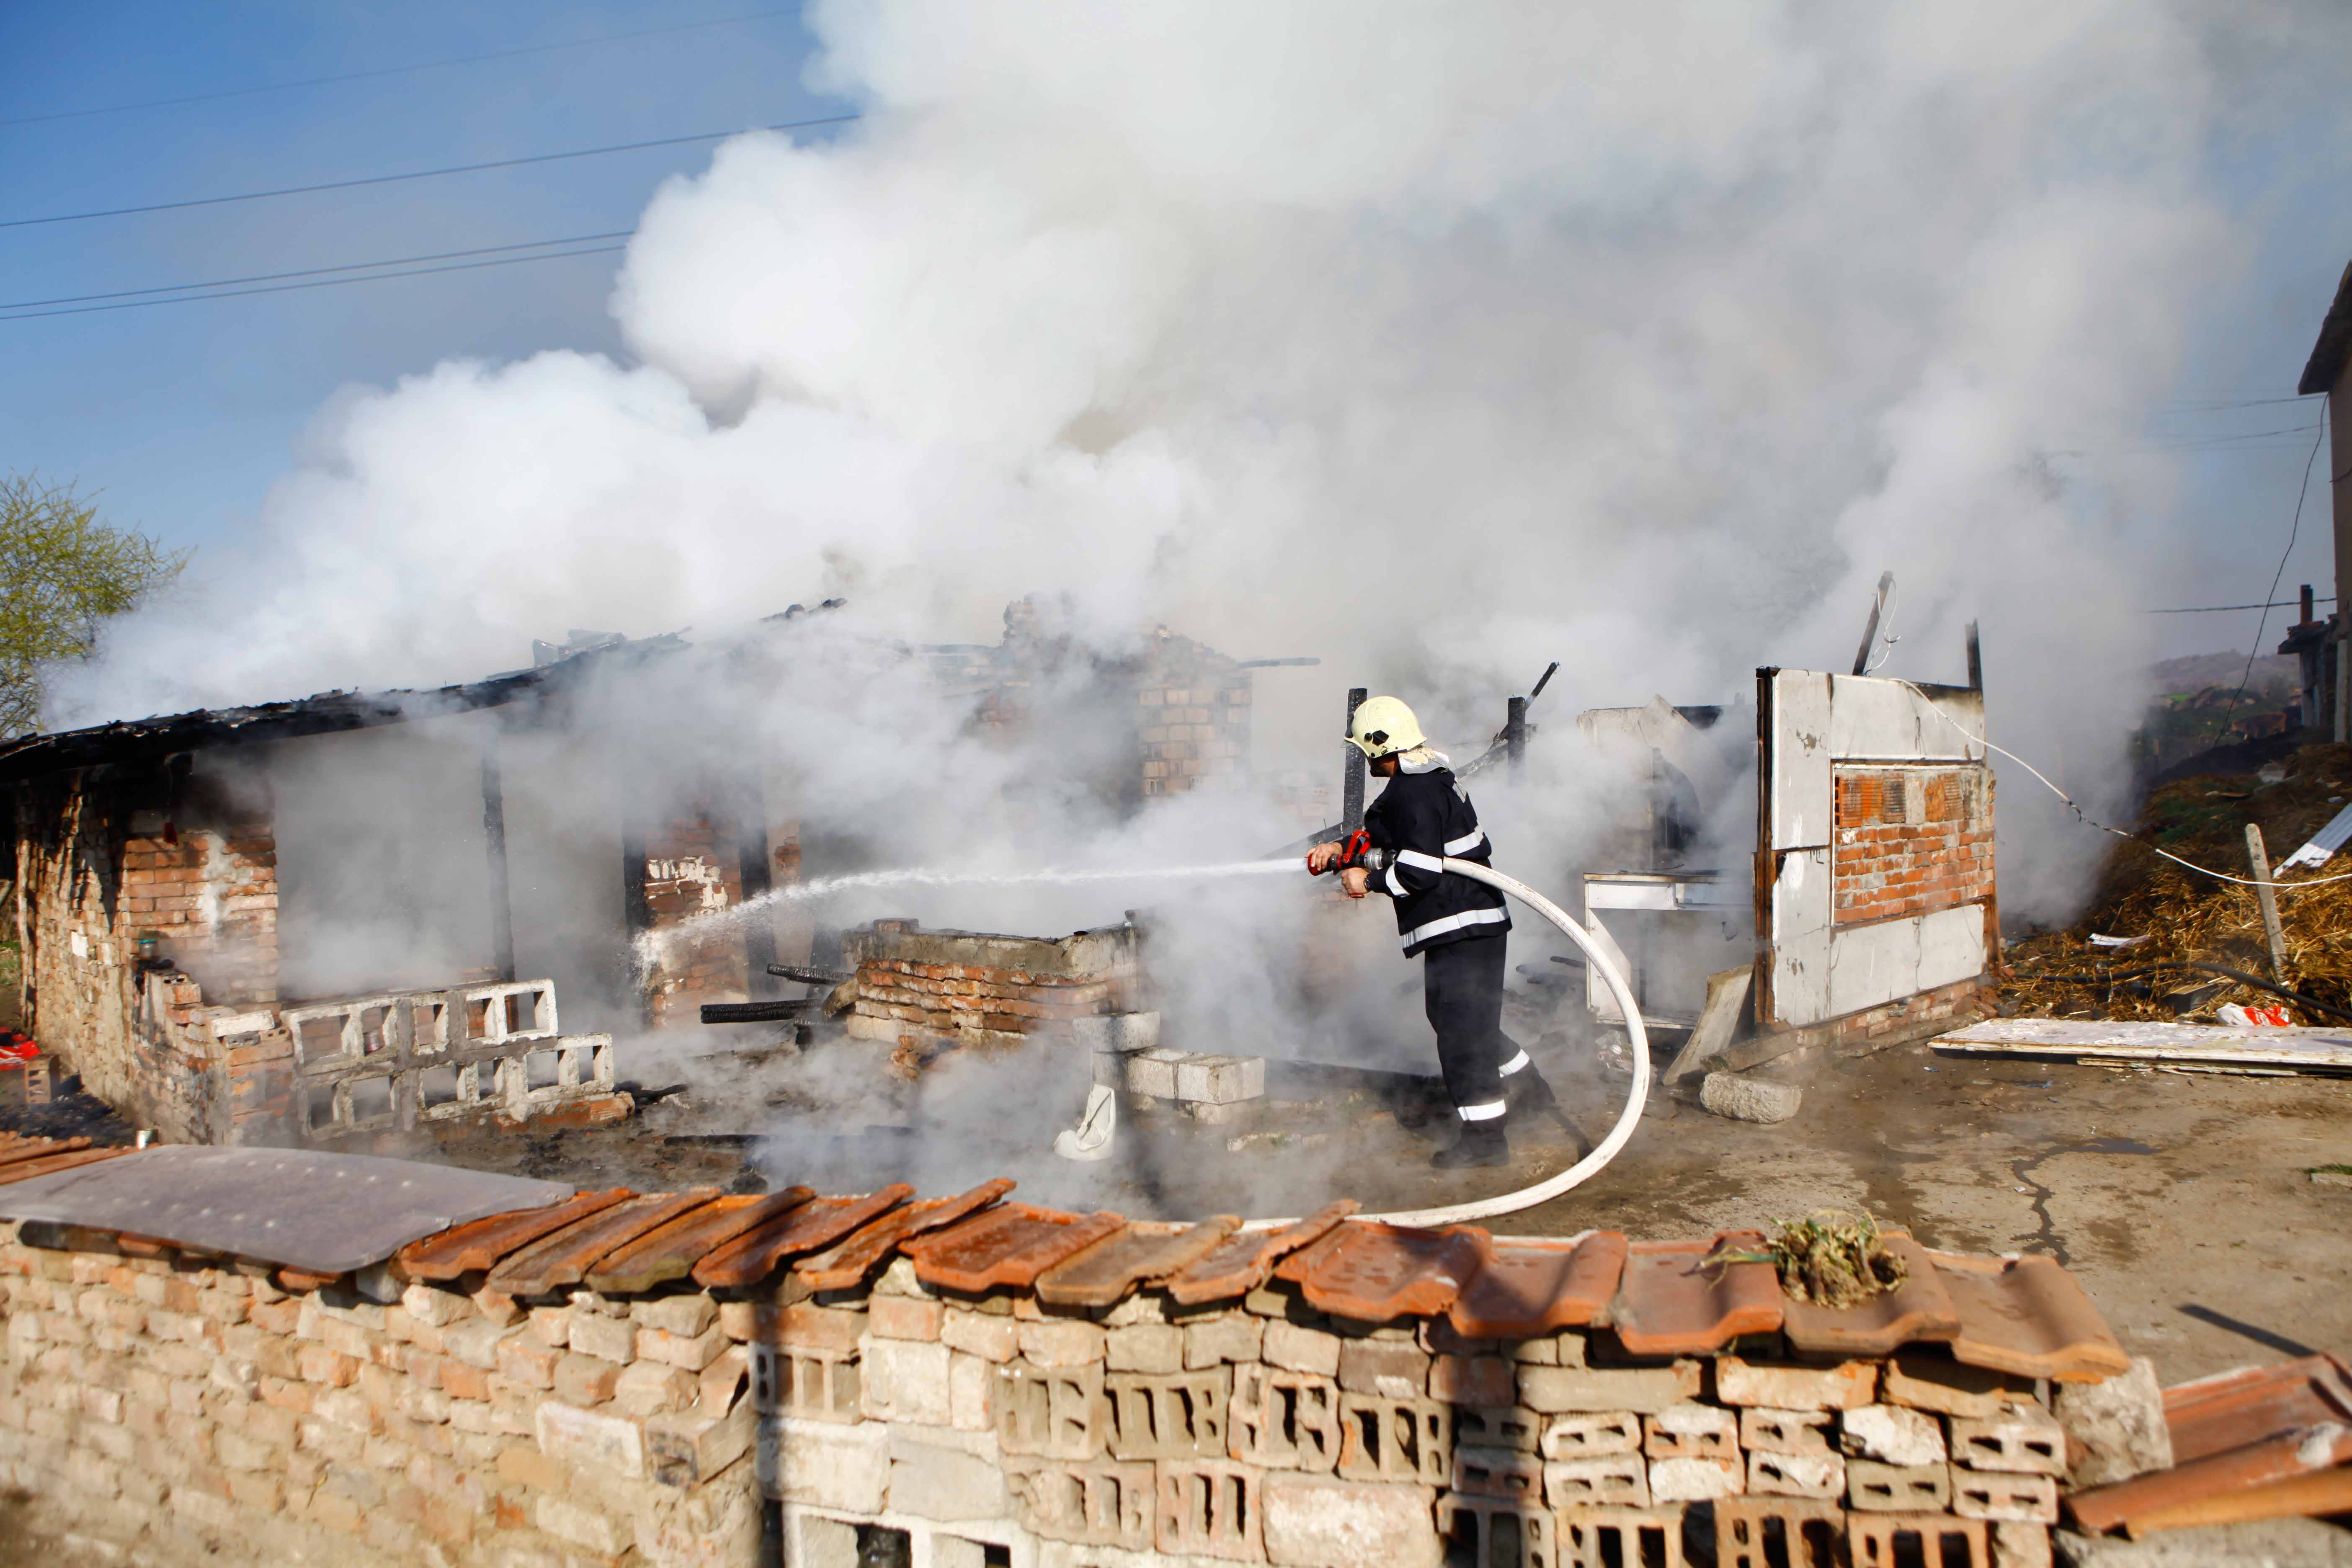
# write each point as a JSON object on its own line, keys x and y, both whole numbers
{"x": 182, "y": 415}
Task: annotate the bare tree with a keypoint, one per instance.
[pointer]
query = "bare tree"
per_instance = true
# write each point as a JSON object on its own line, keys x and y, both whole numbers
{"x": 62, "y": 573}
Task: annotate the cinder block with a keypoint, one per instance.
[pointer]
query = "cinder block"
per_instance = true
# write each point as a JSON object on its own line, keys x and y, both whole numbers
{"x": 1897, "y": 1539}
{"x": 1209, "y": 1507}
{"x": 1316, "y": 1524}
{"x": 1787, "y": 1431}
{"x": 685, "y": 1450}
{"x": 1797, "y": 1475}
{"x": 1505, "y": 1473}
{"x": 1841, "y": 1387}
{"x": 1691, "y": 1431}
{"x": 1488, "y": 1381}
{"x": 1892, "y": 1434}
{"x": 1102, "y": 1504}
{"x": 813, "y": 1385}
{"x": 822, "y": 1464}
{"x": 1052, "y": 1412}
{"x": 587, "y": 1437}
{"x": 1612, "y": 1480}
{"x": 905, "y": 1380}
{"x": 1769, "y": 1532}
{"x": 2005, "y": 1495}
{"x": 2019, "y": 1545}
{"x": 1284, "y": 1420}
{"x": 1220, "y": 1081}
{"x": 933, "y": 1481}
{"x": 2024, "y": 1439}
{"x": 1489, "y": 1531}
{"x": 1490, "y": 1426}
{"x": 970, "y": 1383}
{"x": 1609, "y": 1536}
{"x": 1645, "y": 1390}
{"x": 1230, "y": 1337}
{"x": 1874, "y": 1487}
{"x": 1174, "y": 1415}
{"x": 1694, "y": 1479}
{"x": 1585, "y": 1435}
{"x": 1395, "y": 1439}
{"x": 1385, "y": 1369}
{"x": 1296, "y": 1349}
{"x": 1145, "y": 1347}
{"x": 989, "y": 1337}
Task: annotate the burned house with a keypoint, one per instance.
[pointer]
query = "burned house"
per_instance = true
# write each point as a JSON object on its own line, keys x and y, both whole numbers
{"x": 364, "y": 914}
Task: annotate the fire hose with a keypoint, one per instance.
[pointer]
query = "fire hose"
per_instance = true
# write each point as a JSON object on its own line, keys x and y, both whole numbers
{"x": 1619, "y": 1135}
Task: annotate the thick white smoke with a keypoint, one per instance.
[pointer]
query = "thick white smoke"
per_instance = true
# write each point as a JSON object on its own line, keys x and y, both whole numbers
{"x": 1437, "y": 341}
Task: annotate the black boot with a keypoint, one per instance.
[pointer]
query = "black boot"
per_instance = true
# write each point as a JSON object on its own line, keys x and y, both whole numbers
{"x": 1527, "y": 1093}
{"x": 1481, "y": 1143}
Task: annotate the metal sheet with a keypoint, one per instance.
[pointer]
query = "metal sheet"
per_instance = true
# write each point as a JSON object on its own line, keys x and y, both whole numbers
{"x": 1876, "y": 964}
{"x": 324, "y": 1213}
{"x": 1889, "y": 720}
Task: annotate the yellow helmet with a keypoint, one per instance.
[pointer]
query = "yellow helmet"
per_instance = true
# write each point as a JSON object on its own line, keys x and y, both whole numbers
{"x": 1384, "y": 726}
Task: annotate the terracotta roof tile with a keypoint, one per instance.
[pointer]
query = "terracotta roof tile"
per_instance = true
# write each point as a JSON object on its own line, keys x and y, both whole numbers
{"x": 1240, "y": 1264}
{"x": 670, "y": 1251}
{"x": 1145, "y": 1253}
{"x": 48, "y": 1164}
{"x": 1010, "y": 1244}
{"x": 480, "y": 1244}
{"x": 565, "y": 1257}
{"x": 1375, "y": 1272}
{"x": 1529, "y": 1288}
{"x": 2028, "y": 1316}
{"x": 819, "y": 1223}
{"x": 1668, "y": 1303}
{"x": 848, "y": 1261}
{"x": 35, "y": 1148}
{"x": 1919, "y": 1310}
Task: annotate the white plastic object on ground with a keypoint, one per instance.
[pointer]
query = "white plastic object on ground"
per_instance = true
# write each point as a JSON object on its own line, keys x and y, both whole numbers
{"x": 1090, "y": 1138}
{"x": 1585, "y": 1169}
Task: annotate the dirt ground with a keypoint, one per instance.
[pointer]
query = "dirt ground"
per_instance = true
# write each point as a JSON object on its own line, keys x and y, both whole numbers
{"x": 2181, "y": 1202}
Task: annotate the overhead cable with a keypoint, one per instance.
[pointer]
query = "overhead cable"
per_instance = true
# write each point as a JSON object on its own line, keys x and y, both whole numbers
{"x": 425, "y": 173}
{"x": 318, "y": 271}
{"x": 2293, "y": 529}
{"x": 391, "y": 70}
{"x": 2213, "y": 609}
{"x": 315, "y": 283}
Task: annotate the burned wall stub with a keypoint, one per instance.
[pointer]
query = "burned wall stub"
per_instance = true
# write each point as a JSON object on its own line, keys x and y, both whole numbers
{"x": 936, "y": 989}
{"x": 1875, "y": 893}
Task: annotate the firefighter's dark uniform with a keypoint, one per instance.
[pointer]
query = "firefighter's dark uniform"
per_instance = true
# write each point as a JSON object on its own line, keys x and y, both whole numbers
{"x": 1456, "y": 924}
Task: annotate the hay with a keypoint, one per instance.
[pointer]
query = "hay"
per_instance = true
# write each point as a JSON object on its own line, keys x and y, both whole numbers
{"x": 1830, "y": 1258}
{"x": 2188, "y": 916}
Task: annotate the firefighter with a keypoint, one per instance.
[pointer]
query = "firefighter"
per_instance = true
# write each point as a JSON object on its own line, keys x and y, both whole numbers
{"x": 1457, "y": 925}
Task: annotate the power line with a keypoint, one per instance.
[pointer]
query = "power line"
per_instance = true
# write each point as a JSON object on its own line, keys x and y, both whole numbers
{"x": 423, "y": 173}
{"x": 2215, "y": 609}
{"x": 315, "y": 283}
{"x": 316, "y": 271}
{"x": 390, "y": 70}
{"x": 2293, "y": 529}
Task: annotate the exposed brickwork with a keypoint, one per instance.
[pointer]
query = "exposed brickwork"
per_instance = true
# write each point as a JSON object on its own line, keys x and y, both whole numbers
{"x": 1910, "y": 840}
{"x": 692, "y": 869}
{"x": 971, "y": 984}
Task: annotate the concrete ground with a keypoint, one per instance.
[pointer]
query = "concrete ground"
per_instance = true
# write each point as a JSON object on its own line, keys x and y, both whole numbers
{"x": 2181, "y": 1202}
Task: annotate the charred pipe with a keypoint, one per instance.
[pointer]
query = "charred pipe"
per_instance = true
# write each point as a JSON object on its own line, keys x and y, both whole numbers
{"x": 756, "y": 1012}
{"x": 807, "y": 976}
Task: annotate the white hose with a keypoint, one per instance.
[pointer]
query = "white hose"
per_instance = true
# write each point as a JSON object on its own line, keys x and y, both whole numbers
{"x": 1585, "y": 1169}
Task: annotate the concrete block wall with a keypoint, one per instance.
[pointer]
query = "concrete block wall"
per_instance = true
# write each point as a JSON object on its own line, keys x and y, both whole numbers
{"x": 1910, "y": 840}
{"x": 172, "y": 1405}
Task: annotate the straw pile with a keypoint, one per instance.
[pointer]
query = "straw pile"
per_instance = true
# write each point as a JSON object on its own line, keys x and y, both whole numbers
{"x": 2188, "y": 916}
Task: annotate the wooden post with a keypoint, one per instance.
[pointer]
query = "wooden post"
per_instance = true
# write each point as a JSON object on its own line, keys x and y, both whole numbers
{"x": 2268, "y": 896}
{"x": 1869, "y": 627}
{"x": 494, "y": 836}
{"x": 1515, "y": 737}
{"x": 1975, "y": 661}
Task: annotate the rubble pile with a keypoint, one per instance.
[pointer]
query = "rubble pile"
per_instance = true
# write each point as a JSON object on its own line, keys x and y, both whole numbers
{"x": 2188, "y": 918}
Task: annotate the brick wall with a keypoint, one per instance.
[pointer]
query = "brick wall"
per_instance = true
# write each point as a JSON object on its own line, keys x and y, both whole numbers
{"x": 1910, "y": 840}
{"x": 168, "y": 1406}
{"x": 976, "y": 987}
{"x": 90, "y": 886}
{"x": 691, "y": 869}
{"x": 1194, "y": 713}
{"x": 185, "y": 1409}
